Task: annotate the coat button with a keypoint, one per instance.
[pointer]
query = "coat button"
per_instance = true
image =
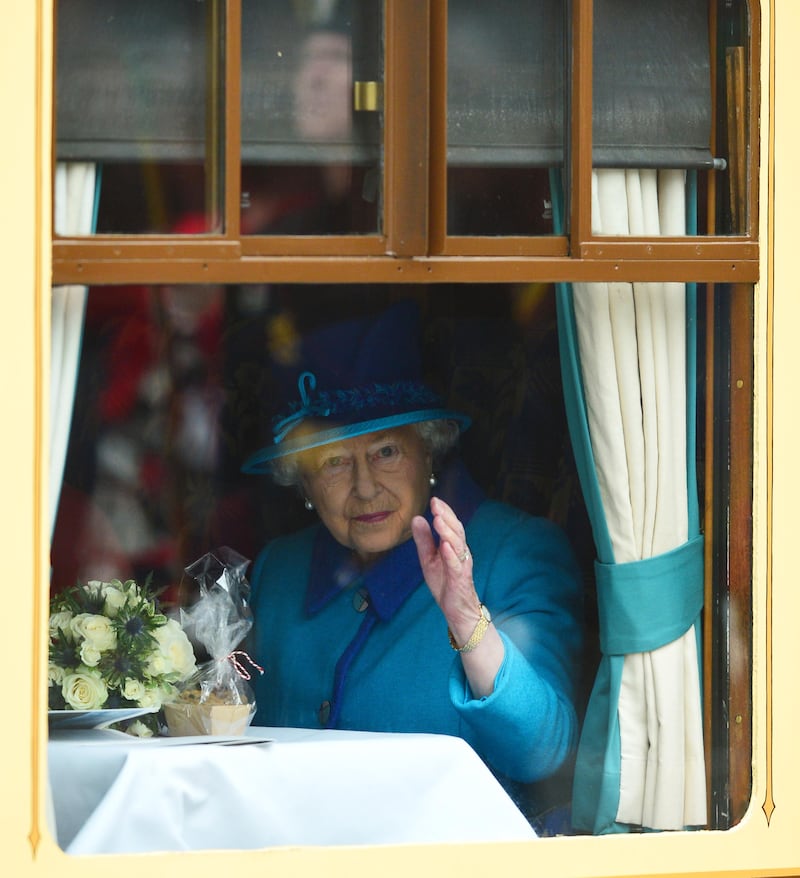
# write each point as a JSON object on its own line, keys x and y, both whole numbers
{"x": 360, "y": 600}
{"x": 324, "y": 713}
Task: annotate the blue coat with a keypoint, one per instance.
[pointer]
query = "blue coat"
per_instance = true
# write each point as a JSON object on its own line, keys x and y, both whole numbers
{"x": 372, "y": 652}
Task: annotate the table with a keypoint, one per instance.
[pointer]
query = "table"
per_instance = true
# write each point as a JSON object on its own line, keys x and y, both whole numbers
{"x": 112, "y": 793}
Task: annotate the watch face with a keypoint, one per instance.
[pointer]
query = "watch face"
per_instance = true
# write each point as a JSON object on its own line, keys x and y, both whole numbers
{"x": 486, "y": 614}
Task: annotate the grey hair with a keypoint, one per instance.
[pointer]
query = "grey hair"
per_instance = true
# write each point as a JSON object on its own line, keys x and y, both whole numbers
{"x": 439, "y": 437}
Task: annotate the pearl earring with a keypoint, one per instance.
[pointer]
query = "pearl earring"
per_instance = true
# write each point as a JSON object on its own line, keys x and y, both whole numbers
{"x": 308, "y": 504}
{"x": 432, "y": 480}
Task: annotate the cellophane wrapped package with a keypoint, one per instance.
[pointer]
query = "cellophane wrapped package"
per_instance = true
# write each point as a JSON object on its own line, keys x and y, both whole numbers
{"x": 217, "y": 699}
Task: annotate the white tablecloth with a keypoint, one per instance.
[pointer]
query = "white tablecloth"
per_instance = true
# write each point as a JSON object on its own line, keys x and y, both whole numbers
{"x": 116, "y": 794}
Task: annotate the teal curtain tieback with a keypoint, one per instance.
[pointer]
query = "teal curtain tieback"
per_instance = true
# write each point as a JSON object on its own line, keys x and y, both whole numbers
{"x": 646, "y": 604}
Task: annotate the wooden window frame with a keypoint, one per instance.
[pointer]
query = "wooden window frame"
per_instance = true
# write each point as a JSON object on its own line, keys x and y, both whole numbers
{"x": 415, "y": 248}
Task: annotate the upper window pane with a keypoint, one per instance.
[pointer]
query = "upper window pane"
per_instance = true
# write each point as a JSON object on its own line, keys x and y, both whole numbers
{"x": 135, "y": 87}
{"x": 654, "y": 109}
{"x": 733, "y": 63}
{"x": 505, "y": 115}
{"x": 311, "y": 117}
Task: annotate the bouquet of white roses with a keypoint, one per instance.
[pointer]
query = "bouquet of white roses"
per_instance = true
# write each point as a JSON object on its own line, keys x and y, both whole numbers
{"x": 111, "y": 647}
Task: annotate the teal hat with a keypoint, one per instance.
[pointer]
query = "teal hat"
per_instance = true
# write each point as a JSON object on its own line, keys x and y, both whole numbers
{"x": 352, "y": 378}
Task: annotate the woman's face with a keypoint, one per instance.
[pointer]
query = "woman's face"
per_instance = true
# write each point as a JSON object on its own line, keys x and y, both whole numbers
{"x": 367, "y": 489}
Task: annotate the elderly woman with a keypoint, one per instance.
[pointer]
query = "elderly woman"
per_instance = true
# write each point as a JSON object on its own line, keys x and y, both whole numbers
{"x": 415, "y": 604}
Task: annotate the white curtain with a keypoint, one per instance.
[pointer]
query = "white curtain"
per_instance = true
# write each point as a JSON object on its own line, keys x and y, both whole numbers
{"x": 632, "y": 350}
{"x": 74, "y": 209}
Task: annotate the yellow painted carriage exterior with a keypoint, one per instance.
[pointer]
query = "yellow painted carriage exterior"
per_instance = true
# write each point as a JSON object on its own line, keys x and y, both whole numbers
{"x": 765, "y": 843}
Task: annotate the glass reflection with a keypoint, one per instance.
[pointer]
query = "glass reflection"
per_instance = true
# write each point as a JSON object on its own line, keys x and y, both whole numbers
{"x": 322, "y": 88}
{"x": 135, "y": 84}
{"x": 505, "y": 115}
{"x": 310, "y": 162}
{"x": 733, "y": 130}
{"x": 654, "y": 114}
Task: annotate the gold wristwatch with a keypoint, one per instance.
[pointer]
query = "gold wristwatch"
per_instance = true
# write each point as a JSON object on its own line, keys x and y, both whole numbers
{"x": 477, "y": 635}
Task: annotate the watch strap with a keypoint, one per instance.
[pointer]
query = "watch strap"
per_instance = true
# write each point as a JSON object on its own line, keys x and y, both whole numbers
{"x": 477, "y": 634}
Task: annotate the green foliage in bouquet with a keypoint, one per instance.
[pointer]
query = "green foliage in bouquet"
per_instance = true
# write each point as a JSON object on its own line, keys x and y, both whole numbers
{"x": 111, "y": 647}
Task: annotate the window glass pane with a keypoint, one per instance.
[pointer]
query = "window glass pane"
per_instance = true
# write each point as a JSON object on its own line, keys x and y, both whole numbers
{"x": 654, "y": 111}
{"x": 136, "y": 84}
{"x": 734, "y": 98}
{"x": 311, "y": 117}
{"x": 505, "y": 115}
{"x": 177, "y": 387}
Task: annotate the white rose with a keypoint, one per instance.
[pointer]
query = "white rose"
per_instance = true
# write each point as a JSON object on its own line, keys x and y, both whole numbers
{"x": 90, "y": 655}
{"x": 151, "y": 697}
{"x": 133, "y": 690}
{"x": 175, "y": 656}
{"x": 84, "y": 690}
{"x": 96, "y": 629}
{"x": 139, "y": 729}
{"x": 60, "y": 622}
{"x": 112, "y": 583}
{"x": 157, "y": 665}
{"x": 55, "y": 674}
{"x": 115, "y": 599}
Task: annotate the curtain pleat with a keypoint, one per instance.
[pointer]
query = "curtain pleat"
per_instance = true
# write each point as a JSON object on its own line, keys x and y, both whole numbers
{"x": 640, "y": 759}
{"x": 75, "y": 214}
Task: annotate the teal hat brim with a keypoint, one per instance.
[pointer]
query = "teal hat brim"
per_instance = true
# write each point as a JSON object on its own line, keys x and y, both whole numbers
{"x": 258, "y": 462}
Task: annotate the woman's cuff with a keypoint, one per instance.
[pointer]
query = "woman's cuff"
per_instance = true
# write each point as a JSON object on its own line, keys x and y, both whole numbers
{"x": 460, "y": 692}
